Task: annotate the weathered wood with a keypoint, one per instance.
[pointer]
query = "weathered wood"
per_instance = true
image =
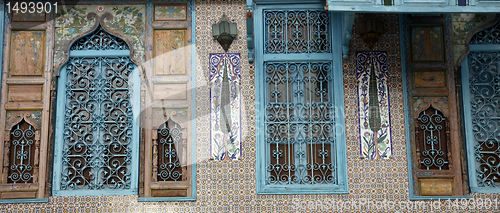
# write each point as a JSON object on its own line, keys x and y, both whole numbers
{"x": 37, "y": 159}
{"x": 168, "y": 78}
{"x": 6, "y": 147}
{"x": 168, "y": 193}
{"x": 19, "y": 187}
{"x": 436, "y": 187}
{"x": 15, "y": 195}
{"x": 177, "y": 185}
{"x": 170, "y": 92}
{"x": 154, "y": 135}
{"x": 432, "y": 84}
{"x": 24, "y": 106}
{"x": 26, "y": 92}
{"x": 27, "y": 57}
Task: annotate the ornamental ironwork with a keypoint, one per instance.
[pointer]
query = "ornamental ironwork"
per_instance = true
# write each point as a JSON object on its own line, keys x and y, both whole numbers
{"x": 170, "y": 142}
{"x": 432, "y": 140}
{"x": 100, "y": 40}
{"x": 490, "y": 35}
{"x": 98, "y": 119}
{"x": 298, "y": 123}
{"x": 297, "y": 31}
{"x": 22, "y": 152}
{"x": 484, "y": 68}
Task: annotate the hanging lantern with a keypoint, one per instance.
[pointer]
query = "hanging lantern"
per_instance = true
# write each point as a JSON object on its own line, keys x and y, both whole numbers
{"x": 224, "y": 32}
{"x": 370, "y": 30}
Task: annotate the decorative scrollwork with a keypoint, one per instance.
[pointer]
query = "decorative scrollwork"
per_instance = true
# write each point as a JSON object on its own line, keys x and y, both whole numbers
{"x": 299, "y": 123}
{"x": 100, "y": 40}
{"x": 485, "y": 113}
{"x": 303, "y": 31}
{"x": 170, "y": 143}
{"x": 432, "y": 140}
{"x": 490, "y": 35}
{"x": 98, "y": 118}
{"x": 22, "y": 151}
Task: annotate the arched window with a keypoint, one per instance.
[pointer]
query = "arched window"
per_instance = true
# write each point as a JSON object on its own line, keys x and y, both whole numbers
{"x": 22, "y": 152}
{"x": 432, "y": 140}
{"x": 169, "y": 153}
{"x": 97, "y": 141}
{"x": 481, "y": 98}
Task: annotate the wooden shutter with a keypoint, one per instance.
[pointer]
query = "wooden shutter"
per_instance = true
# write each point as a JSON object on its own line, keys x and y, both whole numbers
{"x": 24, "y": 109}
{"x": 435, "y": 139}
{"x": 167, "y": 170}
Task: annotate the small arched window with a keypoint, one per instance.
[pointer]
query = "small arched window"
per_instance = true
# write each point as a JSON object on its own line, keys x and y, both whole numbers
{"x": 23, "y": 153}
{"x": 432, "y": 140}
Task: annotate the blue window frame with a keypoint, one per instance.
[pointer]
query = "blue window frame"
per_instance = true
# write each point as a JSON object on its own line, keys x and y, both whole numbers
{"x": 299, "y": 81}
{"x": 481, "y": 98}
{"x": 97, "y": 140}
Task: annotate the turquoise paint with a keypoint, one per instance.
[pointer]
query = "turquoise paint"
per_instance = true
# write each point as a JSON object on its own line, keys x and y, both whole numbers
{"x": 60, "y": 127}
{"x": 413, "y": 6}
{"x": 338, "y": 100}
{"x": 469, "y": 134}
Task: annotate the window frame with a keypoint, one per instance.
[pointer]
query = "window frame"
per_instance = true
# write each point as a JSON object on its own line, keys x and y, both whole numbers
{"x": 135, "y": 89}
{"x": 334, "y": 57}
{"x": 467, "y": 116}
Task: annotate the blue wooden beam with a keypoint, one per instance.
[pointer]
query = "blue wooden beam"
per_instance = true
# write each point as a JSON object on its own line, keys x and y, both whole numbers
{"x": 250, "y": 34}
{"x": 367, "y": 8}
{"x": 347, "y": 23}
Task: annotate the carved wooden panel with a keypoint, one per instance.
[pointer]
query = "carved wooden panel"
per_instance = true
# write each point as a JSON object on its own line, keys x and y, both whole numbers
{"x": 28, "y": 17}
{"x": 170, "y": 52}
{"x": 25, "y": 92}
{"x": 427, "y": 44}
{"x": 27, "y": 56}
{"x": 429, "y": 79}
{"x": 170, "y": 12}
{"x": 170, "y": 91}
{"x": 436, "y": 187}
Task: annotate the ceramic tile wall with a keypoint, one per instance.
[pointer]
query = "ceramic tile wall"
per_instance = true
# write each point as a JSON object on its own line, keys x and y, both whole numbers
{"x": 230, "y": 186}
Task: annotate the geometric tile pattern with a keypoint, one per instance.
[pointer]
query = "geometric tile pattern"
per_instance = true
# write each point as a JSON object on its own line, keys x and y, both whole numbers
{"x": 230, "y": 186}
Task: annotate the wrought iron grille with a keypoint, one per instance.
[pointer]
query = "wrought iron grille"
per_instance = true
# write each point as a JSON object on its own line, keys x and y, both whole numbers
{"x": 297, "y": 31}
{"x": 100, "y": 40}
{"x": 432, "y": 140}
{"x": 98, "y": 118}
{"x": 490, "y": 35}
{"x": 170, "y": 141}
{"x": 22, "y": 153}
{"x": 484, "y": 72}
{"x": 298, "y": 123}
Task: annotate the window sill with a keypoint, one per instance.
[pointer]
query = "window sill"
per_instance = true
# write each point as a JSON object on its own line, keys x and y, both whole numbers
{"x": 160, "y": 199}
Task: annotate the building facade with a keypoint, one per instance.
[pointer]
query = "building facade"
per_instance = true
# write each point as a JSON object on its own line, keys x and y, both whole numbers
{"x": 250, "y": 106}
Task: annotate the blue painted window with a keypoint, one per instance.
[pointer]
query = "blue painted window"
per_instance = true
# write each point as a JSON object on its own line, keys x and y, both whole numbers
{"x": 97, "y": 141}
{"x": 481, "y": 98}
{"x": 300, "y": 138}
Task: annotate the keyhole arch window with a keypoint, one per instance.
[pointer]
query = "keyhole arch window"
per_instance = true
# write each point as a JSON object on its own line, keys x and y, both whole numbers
{"x": 97, "y": 140}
